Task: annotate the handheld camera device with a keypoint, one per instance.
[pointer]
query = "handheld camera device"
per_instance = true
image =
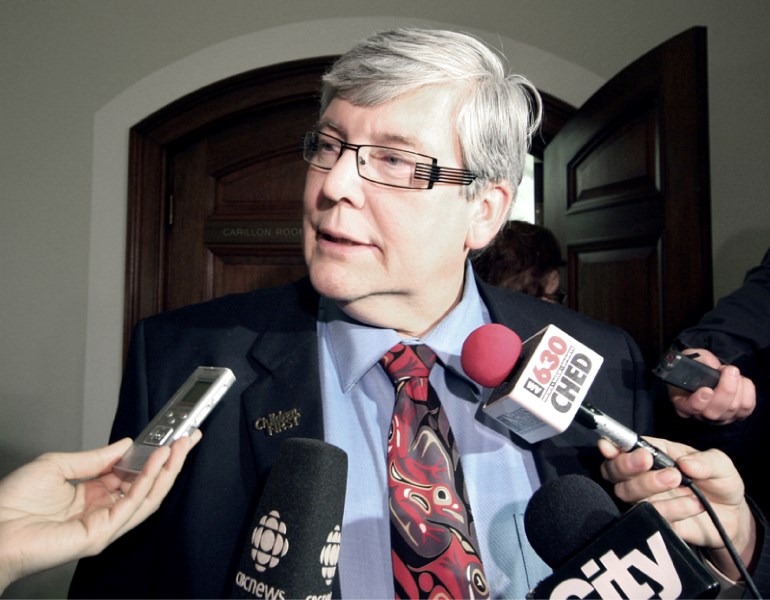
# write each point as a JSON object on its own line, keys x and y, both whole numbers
{"x": 684, "y": 372}
{"x": 182, "y": 414}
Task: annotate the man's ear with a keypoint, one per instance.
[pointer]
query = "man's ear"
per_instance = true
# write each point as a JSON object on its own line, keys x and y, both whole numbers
{"x": 490, "y": 210}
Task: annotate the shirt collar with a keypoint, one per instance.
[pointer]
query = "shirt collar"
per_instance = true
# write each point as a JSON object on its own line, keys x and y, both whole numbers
{"x": 357, "y": 347}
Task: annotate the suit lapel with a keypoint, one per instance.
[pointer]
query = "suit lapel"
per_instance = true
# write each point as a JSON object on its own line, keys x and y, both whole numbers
{"x": 512, "y": 309}
{"x": 284, "y": 401}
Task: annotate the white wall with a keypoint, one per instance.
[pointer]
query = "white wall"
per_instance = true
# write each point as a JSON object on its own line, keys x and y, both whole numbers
{"x": 76, "y": 74}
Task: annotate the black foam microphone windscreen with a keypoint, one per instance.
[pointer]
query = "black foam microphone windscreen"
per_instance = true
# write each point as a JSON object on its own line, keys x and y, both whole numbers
{"x": 596, "y": 552}
{"x": 293, "y": 544}
{"x": 565, "y": 514}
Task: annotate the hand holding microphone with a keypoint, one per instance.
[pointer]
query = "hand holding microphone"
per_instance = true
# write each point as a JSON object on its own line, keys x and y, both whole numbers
{"x": 540, "y": 387}
{"x": 683, "y": 507}
{"x": 596, "y": 553}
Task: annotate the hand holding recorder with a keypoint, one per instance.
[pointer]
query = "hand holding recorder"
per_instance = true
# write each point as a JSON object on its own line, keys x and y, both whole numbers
{"x": 182, "y": 414}
{"x": 62, "y": 506}
{"x": 725, "y": 398}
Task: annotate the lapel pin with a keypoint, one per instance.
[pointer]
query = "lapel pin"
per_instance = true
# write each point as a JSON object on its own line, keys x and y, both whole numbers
{"x": 278, "y": 421}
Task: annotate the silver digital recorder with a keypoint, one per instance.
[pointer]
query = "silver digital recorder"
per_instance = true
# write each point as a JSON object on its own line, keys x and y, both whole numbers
{"x": 183, "y": 413}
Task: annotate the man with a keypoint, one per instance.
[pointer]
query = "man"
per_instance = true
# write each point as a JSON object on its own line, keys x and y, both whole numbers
{"x": 413, "y": 164}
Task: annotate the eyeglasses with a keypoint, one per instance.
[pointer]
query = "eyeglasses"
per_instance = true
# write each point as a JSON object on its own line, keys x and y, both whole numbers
{"x": 380, "y": 164}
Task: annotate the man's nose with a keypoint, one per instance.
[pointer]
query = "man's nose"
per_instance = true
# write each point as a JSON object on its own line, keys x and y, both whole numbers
{"x": 343, "y": 183}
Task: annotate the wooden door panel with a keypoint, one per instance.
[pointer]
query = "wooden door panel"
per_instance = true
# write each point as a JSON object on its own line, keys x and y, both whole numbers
{"x": 233, "y": 273}
{"x": 215, "y": 189}
{"x": 238, "y": 207}
{"x": 634, "y": 304}
{"x": 626, "y": 191}
{"x": 252, "y": 191}
{"x": 619, "y": 165}
{"x": 187, "y": 270}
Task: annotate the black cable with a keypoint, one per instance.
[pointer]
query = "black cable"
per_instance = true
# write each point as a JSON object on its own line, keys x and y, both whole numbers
{"x": 725, "y": 538}
{"x": 660, "y": 461}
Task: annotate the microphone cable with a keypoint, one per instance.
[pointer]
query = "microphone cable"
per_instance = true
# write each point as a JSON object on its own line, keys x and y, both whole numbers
{"x": 662, "y": 460}
{"x": 688, "y": 482}
{"x": 626, "y": 440}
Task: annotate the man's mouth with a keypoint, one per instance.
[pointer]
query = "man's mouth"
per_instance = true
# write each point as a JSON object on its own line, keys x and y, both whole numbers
{"x": 340, "y": 239}
{"x": 337, "y": 240}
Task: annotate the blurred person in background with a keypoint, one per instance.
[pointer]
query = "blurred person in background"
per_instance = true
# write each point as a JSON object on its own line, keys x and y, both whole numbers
{"x": 524, "y": 257}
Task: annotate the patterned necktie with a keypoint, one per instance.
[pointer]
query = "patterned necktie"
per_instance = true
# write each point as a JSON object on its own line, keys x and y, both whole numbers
{"x": 433, "y": 540}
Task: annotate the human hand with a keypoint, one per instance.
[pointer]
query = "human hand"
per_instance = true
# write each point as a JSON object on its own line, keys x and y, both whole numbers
{"x": 733, "y": 399}
{"x": 65, "y": 505}
{"x": 716, "y": 477}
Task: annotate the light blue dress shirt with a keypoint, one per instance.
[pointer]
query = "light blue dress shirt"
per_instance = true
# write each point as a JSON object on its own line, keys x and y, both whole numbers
{"x": 358, "y": 401}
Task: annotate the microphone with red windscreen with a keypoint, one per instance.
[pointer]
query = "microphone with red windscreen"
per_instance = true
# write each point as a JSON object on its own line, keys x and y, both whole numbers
{"x": 540, "y": 385}
{"x": 490, "y": 353}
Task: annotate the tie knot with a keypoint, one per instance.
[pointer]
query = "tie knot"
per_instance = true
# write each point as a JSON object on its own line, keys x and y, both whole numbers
{"x": 402, "y": 361}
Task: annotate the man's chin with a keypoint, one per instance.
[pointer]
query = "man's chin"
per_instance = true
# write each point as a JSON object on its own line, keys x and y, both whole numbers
{"x": 355, "y": 297}
{"x": 342, "y": 288}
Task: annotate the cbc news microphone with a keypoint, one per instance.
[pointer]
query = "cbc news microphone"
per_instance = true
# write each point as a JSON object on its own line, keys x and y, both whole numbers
{"x": 293, "y": 543}
{"x": 596, "y": 553}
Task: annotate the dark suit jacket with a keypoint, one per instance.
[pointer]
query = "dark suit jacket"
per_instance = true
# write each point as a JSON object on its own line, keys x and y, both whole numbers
{"x": 190, "y": 547}
{"x": 737, "y": 330}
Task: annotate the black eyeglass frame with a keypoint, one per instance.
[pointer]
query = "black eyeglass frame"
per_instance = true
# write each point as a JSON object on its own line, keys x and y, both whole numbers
{"x": 432, "y": 173}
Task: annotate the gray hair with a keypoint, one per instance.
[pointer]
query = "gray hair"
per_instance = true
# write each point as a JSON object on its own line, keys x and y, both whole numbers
{"x": 496, "y": 116}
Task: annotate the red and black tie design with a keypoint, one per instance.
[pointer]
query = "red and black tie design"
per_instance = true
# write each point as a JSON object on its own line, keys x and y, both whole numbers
{"x": 433, "y": 540}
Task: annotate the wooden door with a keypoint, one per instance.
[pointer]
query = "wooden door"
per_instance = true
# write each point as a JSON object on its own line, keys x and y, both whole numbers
{"x": 235, "y": 223}
{"x": 215, "y": 189}
{"x": 626, "y": 191}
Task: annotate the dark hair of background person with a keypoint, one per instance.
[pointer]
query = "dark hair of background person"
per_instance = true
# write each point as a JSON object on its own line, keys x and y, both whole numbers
{"x": 521, "y": 257}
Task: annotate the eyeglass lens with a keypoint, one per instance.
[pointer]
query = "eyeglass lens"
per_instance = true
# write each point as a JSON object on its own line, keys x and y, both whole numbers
{"x": 380, "y": 164}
